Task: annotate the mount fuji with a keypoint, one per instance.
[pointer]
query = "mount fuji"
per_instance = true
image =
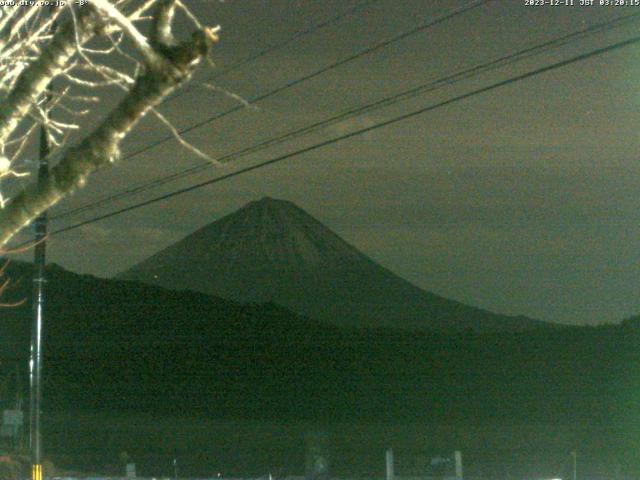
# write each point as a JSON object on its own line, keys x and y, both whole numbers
{"x": 273, "y": 251}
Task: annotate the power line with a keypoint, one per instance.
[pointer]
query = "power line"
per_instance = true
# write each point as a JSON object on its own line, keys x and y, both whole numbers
{"x": 435, "y": 21}
{"x": 420, "y": 28}
{"x": 406, "y": 116}
{"x": 401, "y": 96}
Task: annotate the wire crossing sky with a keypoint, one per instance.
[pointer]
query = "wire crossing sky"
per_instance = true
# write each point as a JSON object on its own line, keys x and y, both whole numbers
{"x": 298, "y": 81}
{"x": 428, "y": 87}
{"x": 601, "y": 51}
{"x": 293, "y": 83}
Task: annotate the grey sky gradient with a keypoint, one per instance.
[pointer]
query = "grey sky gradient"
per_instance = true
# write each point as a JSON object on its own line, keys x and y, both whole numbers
{"x": 523, "y": 200}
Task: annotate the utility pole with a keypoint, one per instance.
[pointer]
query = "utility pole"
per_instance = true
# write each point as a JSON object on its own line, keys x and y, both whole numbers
{"x": 39, "y": 279}
{"x": 18, "y": 407}
{"x": 574, "y": 454}
{"x": 35, "y": 361}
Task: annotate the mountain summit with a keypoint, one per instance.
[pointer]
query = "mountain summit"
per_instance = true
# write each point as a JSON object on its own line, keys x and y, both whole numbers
{"x": 273, "y": 251}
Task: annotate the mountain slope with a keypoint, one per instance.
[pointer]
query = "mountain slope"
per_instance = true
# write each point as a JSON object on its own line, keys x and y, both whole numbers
{"x": 271, "y": 250}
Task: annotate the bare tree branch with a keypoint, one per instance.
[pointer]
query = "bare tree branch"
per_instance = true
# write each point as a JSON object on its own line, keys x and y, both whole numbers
{"x": 34, "y": 80}
{"x": 161, "y": 34}
{"x": 169, "y": 67}
{"x": 138, "y": 39}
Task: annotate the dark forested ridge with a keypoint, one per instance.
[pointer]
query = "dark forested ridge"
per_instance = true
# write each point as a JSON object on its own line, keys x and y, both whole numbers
{"x": 142, "y": 348}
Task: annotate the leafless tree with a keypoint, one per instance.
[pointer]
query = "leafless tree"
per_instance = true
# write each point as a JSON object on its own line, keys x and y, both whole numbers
{"x": 92, "y": 48}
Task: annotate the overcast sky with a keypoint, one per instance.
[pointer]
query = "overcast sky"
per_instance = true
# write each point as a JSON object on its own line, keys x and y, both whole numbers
{"x": 522, "y": 200}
